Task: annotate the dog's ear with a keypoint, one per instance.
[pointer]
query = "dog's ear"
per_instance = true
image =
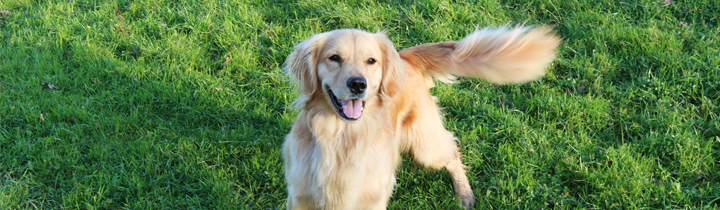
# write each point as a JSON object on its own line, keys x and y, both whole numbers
{"x": 301, "y": 64}
{"x": 393, "y": 68}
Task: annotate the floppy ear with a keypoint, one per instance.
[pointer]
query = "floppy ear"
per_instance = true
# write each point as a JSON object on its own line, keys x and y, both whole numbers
{"x": 393, "y": 68}
{"x": 301, "y": 64}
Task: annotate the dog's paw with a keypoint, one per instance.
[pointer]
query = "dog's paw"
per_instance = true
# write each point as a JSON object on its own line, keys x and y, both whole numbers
{"x": 467, "y": 200}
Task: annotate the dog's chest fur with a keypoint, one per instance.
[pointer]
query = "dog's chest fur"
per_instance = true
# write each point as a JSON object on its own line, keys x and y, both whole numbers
{"x": 358, "y": 159}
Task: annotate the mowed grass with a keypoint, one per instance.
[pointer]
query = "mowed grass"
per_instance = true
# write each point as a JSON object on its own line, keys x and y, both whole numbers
{"x": 183, "y": 104}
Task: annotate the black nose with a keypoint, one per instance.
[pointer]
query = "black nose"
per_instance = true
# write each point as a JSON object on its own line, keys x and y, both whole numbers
{"x": 357, "y": 84}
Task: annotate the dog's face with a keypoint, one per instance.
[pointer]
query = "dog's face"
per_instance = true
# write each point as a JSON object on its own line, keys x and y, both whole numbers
{"x": 348, "y": 68}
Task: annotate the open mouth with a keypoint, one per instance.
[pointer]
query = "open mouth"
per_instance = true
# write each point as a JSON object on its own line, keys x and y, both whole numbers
{"x": 349, "y": 109}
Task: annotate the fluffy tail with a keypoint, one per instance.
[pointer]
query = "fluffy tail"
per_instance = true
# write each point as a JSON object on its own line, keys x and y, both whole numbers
{"x": 499, "y": 55}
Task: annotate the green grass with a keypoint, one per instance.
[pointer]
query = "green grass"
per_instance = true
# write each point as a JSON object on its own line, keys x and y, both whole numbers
{"x": 182, "y": 104}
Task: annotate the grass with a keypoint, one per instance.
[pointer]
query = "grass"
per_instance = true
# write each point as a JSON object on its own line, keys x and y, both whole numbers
{"x": 182, "y": 104}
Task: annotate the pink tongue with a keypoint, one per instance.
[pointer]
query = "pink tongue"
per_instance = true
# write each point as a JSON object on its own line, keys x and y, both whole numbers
{"x": 352, "y": 108}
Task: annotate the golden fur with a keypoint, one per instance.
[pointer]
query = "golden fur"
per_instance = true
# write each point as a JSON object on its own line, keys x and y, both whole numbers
{"x": 333, "y": 161}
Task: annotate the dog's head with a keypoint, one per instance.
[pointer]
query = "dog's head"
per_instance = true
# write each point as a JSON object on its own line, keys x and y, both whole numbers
{"x": 347, "y": 68}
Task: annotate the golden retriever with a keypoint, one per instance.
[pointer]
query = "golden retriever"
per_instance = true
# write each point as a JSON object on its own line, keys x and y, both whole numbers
{"x": 363, "y": 103}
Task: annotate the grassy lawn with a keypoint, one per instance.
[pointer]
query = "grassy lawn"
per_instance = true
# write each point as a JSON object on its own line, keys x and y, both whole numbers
{"x": 182, "y": 104}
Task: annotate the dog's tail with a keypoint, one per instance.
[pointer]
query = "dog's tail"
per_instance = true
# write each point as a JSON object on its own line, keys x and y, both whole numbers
{"x": 498, "y": 55}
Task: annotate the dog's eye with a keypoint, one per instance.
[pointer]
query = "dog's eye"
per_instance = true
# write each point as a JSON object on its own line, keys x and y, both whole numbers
{"x": 371, "y": 61}
{"x": 335, "y": 58}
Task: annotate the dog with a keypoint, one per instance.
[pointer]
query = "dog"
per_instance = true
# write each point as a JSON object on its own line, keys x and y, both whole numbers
{"x": 362, "y": 103}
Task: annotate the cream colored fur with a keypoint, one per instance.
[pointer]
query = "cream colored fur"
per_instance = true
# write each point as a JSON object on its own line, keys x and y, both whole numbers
{"x": 335, "y": 163}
